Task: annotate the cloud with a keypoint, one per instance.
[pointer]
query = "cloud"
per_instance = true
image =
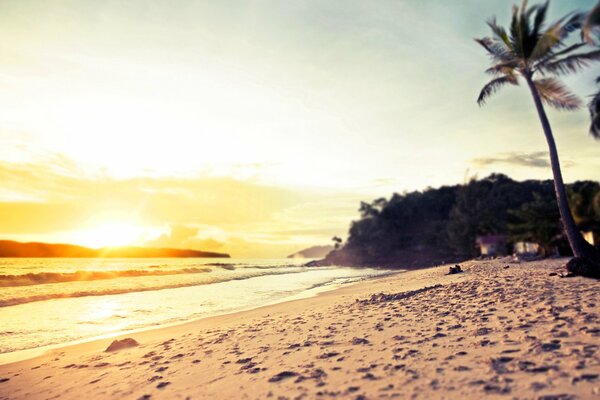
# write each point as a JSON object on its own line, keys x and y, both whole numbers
{"x": 538, "y": 159}
{"x": 186, "y": 236}
{"x": 53, "y": 200}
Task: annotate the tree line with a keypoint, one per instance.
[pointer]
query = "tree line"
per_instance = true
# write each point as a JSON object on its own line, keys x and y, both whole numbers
{"x": 440, "y": 225}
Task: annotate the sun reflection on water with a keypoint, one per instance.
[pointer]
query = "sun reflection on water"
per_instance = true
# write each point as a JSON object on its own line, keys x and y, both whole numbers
{"x": 100, "y": 310}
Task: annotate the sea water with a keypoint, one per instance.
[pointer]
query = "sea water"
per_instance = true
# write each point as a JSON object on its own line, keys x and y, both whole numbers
{"x": 50, "y": 301}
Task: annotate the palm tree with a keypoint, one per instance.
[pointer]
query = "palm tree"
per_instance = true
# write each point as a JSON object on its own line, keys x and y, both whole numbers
{"x": 537, "y": 54}
{"x": 591, "y": 28}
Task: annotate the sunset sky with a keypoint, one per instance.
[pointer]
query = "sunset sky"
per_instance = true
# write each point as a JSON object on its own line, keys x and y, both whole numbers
{"x": 252, "y": 127}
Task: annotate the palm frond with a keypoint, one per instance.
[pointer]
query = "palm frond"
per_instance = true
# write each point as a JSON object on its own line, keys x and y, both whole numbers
{"x": 546, "y": 42}
{"x": 573, "y": 63}
{"x": 572, "y": 24}
{"x": 493, "y": 86}
{"x": 499, "y": 32}
{"x": 591, "y": 26}
{"x": 553, "y": 55}
{"x": 556, "y": 34}
{"x": 516, "y": 39}
{"x": 497, "y": 51}
{"x": 529, "y": 32}
{"x": 556, "y": 95}
{"x": 595, "y": 115}
{"x": 540, "y": 17}
{"x": 505, "y": 68}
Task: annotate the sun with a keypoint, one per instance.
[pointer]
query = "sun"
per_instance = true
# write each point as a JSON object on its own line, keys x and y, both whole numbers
{"x": 111, "y": 234}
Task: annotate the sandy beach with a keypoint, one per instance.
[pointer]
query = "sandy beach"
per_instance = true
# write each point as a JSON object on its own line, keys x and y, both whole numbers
{"x": 499, "y": 330}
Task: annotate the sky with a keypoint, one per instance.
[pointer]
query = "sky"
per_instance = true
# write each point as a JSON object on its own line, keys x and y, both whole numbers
{"x": 253, "y": 127}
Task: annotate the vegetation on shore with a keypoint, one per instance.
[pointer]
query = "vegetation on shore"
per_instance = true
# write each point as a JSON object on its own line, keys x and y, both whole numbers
{"x": 440, "y": 225}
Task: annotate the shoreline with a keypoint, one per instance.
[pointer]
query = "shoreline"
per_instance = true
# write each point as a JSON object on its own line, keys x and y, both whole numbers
{"x": 501, "y": 329}
{"x": 31, "y": 353}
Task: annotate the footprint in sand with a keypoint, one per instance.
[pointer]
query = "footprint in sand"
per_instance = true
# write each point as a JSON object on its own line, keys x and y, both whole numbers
{"x": 282, "y": 376}
{"x": 554, "y": 345}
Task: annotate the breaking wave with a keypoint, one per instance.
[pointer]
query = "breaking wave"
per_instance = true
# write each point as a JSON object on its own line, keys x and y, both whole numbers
{"x": 13, "y": 301}
{"x": 41, "y": 278}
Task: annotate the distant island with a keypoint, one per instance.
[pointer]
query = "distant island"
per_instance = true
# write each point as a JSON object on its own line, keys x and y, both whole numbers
{"x": 312, "y": 252}
{"x": 10, "y": 248}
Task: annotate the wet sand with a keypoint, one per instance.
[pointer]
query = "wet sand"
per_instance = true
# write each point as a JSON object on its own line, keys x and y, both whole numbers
{"x": 499, "y": 330}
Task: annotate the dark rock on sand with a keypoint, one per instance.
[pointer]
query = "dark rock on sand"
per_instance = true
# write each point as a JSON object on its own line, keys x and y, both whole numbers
{"x": 454, "y": 270}
{"x": 122, "y": 344}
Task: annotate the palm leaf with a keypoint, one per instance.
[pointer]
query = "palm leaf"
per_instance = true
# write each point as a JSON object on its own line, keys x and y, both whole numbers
{"x": 553, "y": 55}
{"x": 505, "y": 68}
{"x": 591, "y": 26}
{"x": 496, "y": 50}
{"x": 515, "y": 33}
{"x": 499, "y": 32}
{"x": 546, "y": 42}
{"x": 573, "y": 24}
{"x": 556, "y": 34}
{"x": 540, "y": 18}
{"x": 556, "y": 95}
{"x": 493, "y": 86}
{"x": 595, "y": 115}
{"x": 573, "y": 63}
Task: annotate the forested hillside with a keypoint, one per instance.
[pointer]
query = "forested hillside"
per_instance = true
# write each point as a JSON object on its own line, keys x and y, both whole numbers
{"x": 437, "y": 225}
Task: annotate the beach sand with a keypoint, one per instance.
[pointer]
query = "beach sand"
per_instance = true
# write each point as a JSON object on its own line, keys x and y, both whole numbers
{"x": 499, "y": 330}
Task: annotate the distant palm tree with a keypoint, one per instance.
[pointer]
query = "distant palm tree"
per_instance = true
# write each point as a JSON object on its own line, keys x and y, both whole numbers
{"x": 337, "y": 242}
{"x": 537, "y": 54}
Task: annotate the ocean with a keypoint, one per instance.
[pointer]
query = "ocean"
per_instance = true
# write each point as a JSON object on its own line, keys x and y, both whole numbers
{"x": 53, "y": 301}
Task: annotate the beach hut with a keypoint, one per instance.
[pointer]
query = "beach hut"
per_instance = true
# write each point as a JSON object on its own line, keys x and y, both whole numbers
{"x": 526, "y": 248}
{"x": 491, "y": 245}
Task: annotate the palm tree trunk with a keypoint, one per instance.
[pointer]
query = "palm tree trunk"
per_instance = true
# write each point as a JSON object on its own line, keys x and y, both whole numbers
{"x": 579, "y": 246}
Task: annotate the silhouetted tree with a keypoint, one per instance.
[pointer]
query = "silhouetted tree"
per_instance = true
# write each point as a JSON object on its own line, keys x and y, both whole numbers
{"x": 531, "y": 51}
{"x": 337, "y": 242}
{"x": 479, "y": 209}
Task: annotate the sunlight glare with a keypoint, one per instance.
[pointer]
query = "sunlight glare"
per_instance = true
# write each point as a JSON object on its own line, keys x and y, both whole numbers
{"x": 111, "y": 234}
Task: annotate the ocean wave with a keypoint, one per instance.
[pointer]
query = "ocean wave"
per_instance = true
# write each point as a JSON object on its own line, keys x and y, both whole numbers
{"x": 231, "y": 266}
{"x": 41, "y": 278}
{"x": 13, "y": 301}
